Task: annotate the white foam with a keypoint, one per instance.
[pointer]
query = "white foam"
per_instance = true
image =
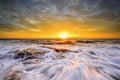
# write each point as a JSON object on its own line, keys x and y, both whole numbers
{"x": 102, "y": 64}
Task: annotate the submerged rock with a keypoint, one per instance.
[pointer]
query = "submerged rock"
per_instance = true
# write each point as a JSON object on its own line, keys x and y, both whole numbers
{"x": 115, "y": 47}
{"x": 92, "y": 53}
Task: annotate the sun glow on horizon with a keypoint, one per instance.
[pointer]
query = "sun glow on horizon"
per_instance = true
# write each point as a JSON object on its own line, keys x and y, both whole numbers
{"x": 64, "y": 35}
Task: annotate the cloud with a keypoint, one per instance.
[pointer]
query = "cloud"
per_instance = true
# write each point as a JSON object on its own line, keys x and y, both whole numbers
{"x": 6, "y": 21}
{"x": 19, "y": 14}
{"x": 9, "y": 27}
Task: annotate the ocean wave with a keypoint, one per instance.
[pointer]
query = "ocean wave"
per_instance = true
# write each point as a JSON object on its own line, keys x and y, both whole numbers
{"x": 81, "y": 61}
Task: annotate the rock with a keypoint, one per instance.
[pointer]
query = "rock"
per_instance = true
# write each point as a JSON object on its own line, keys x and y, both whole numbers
{"x": 61, "y": 50}
{"x": 13, "y": 76}
{"x": 30, "y": 57}
{"x": 28, "y": 53}
{"x": 91, "y": 52}
{"x": 58, "y": 49}
{"x": 115, "y": 47}
{"x": 86, "y": 41}
{"x": 3, "y": 57}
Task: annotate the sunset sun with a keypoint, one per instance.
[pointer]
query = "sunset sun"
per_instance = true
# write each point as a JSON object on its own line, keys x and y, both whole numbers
{"x": 64, "y": 35}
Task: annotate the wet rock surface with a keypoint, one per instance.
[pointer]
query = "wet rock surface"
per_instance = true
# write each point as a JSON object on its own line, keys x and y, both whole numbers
{"x": 16, "y": 75}
{"x": 29, "y": 53}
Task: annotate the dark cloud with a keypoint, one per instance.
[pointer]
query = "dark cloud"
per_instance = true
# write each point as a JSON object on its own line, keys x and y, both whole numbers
{"x": 9, "y": 27}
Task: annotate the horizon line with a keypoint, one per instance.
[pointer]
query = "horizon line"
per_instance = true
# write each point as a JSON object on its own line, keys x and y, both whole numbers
{"x": 60, "y": 38}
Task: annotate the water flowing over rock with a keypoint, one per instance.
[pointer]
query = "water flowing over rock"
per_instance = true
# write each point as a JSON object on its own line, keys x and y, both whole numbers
{"x": 81, "y": 61}
{"x": 29, "y": 53}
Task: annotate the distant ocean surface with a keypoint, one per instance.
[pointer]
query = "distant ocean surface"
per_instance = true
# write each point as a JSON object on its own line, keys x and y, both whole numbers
{"x": 59, "y": 59}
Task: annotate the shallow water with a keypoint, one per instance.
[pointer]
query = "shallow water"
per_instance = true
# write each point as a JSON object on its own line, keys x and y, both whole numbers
{"x": 79, "y": 61}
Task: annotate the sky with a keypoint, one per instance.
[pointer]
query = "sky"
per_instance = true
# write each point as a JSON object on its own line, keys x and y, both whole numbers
{"x": 50, "y": 18}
